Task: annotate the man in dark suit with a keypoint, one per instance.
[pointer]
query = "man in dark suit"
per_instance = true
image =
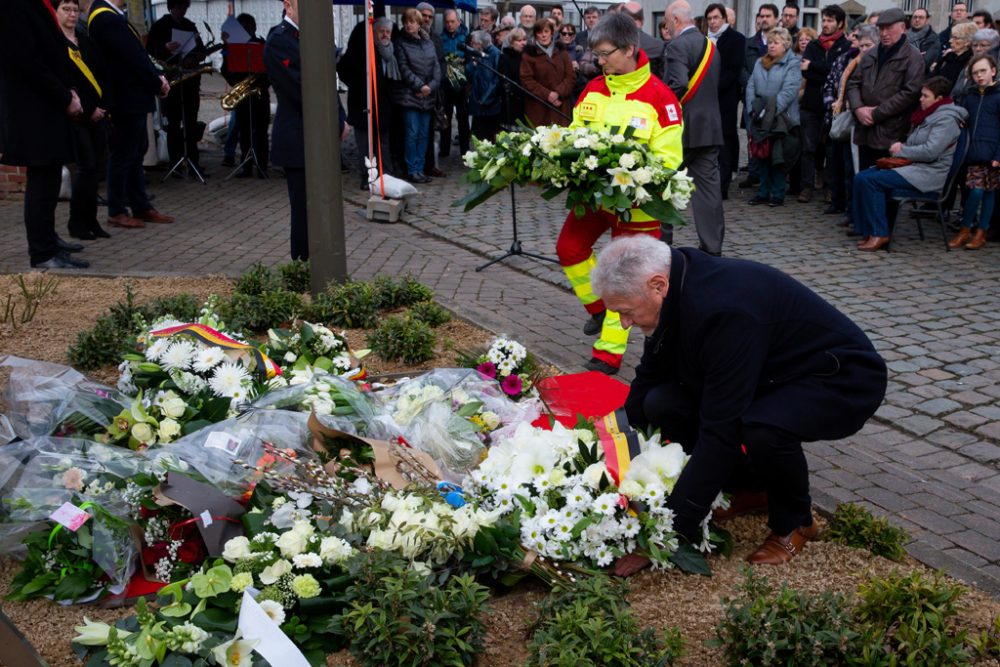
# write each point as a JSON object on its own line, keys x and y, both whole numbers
{"x": 37, "y": 104}
{"x": 591, "y": 15}
{"x": 693, "y": 70}
{"x": 652, "y": 46}
{"x": 732, "y": 48}
{"x": 739, "y": 357}
{"x": 767, "y": 18}
{"x": 136, "y": 83}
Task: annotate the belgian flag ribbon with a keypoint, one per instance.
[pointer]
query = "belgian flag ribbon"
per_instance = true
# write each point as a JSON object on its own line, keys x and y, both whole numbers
{"x": 620, "y": 443}
{"x": 263, "y": 366}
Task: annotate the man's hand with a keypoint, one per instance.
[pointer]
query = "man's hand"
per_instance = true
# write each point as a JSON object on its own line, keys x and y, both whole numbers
{"x": 865, "y": 115}
{"x": 98, "y": 114}
{"x": 74, "y": 108}
{"x": 896, "y": 147}
{"x": 804, "y": 65}
{"x": 164, "y": 87}
{"x": 554, "y": 98}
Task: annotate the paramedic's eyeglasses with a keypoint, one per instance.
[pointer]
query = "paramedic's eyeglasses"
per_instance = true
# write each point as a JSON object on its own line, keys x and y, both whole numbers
{"x": 604, "y": 55}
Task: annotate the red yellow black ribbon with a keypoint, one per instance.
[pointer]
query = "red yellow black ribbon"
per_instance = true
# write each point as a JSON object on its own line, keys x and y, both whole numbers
{"x": 699, "y": 73}
{"x": 264, "y": 367}
{"x": 620, "y": 443}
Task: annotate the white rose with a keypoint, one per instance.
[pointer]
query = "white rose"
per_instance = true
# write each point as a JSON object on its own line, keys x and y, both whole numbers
{"x": 274, "y": 572}
{"x": 307, "y": 560}
{"x": 236, "y": 549}
{"x": 627, "y": 160}
{"x": 594, "y": 474}
{"x": 142, "y": 432}
{"x": 292, "y": 543}
{"x": 334, "y": 550}
{"x": 382, "y": 539}
{"x": 173, "y": 407}
{"x": 290, "y": 357}
{"x": 169, "y": 429}
{"x": 630, "y": 488}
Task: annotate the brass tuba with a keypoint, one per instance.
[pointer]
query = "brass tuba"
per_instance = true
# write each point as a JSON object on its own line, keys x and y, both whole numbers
{"x": 248, "y": 86}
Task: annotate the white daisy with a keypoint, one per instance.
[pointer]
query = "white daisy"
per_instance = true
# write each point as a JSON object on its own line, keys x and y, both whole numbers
{"x": 274, "y": 611}
{"x": 228, "y": 380}
{"x": 208, "y": 358}
{"x": 179, "y": 355}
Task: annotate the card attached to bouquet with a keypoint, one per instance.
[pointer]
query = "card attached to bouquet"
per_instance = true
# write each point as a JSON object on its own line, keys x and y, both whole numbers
{"x": 70, "y": 516}
{"x": 224, "y": 441}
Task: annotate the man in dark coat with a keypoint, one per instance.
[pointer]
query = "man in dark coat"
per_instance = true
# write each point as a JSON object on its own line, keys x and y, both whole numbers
{"x": 816, "y": 63}
{"x": 36, "y": 104}
{"x": 136, "y": 83}
{"x": 693, "y": 69}
{"x": 739, "y": 357}
{"x": 732, "y": 49}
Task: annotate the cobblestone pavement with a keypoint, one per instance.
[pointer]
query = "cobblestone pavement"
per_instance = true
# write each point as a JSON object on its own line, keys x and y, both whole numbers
{"x": 931, "y": 457}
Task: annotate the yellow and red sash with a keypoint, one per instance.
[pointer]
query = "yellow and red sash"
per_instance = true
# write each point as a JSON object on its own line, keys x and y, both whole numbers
{"x": 620, "y": 443}
{"x": 74, "y": 55}
{"x": 700, "y": 72}
{"x": 264, "y": 367}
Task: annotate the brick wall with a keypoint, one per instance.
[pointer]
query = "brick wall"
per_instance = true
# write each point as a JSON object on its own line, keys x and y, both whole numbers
{"x": 12, "y": 181}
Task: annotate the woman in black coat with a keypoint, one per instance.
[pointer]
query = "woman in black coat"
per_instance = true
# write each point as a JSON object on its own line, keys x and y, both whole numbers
{"x": 420, "y": 79}
{"x": 510, "y": 67}
{"x": 90, "y": 134}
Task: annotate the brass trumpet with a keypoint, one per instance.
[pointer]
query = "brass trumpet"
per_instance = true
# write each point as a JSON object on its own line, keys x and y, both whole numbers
{"x": 248, "y": 86}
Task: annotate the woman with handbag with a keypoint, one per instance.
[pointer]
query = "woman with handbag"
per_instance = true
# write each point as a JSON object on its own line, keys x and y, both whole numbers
{"x": 773, "y": 92}
{"x": 920, "y": 164}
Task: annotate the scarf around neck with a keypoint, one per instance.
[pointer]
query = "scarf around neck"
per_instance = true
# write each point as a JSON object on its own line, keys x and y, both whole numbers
{"x": 827, "y": 41}
{"x": 714, "y": 36}
{"x": 920, "y": 115}
{"x": 549, "y": 50}
{"x": 389, "y": 64}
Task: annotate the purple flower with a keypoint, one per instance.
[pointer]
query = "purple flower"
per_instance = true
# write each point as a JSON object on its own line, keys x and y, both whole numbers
{"x": 511, "y": 384}
{"x": 487, "y": 369}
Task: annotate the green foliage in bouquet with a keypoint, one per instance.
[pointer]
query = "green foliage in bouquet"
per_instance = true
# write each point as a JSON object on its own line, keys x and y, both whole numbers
{"x": 762, "y": 626}
{"x": 403, "y": 339}
{"x": 394, "y": 615}
{"x": 429, "y": 312}
{"x": 854, "y": 526}
{"x": 589, "y": 624}
{"x": 910, "y": 620}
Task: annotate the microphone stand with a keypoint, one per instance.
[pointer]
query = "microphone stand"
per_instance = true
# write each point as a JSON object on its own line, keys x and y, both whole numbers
{"x": 515, "y": 245}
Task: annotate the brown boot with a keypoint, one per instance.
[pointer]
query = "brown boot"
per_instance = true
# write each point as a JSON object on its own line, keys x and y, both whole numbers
{"x": 978, "y": 240}
{"x": 960, "y": 239}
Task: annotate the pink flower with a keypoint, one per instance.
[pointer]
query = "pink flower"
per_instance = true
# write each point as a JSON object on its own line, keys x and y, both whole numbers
{"x": 73, "y": 478}
{"x": 487, "y": 369}
{"x": 511, "y": 384}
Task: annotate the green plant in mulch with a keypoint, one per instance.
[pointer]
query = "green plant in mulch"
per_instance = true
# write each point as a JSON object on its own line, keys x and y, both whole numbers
{"x": 403, "y": 339}
{"x": 392, "y": 294}
{"x": 764, "y": 626}
{"x": 16, "y": 311}
{"x": 588, "y": 624}
{"x": 261, "y": 312}
{"x": 987, "y": 642}
{"x": 429, "y": 312}
{"x": 854, "y": 526}
{"x": 397, "y": 616}
{"x": 910, "y": 620}
{"x": 295, "y": 276}
{"x": 353, "y": 304}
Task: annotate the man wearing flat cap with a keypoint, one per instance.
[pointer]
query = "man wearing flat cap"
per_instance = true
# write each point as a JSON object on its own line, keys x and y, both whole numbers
{"x": 884, "y": 89}
{"x": 742, "y": 364}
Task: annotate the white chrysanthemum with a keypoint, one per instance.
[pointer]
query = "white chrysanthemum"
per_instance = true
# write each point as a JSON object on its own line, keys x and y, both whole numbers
{"x": 156, "y": 350}
{"x": 228, "y": 380}
{"x": 606, "y": 504}
{"x": 208, "y": 358}
{"x": 274, "y": 611}
{"x": 179, "y": 355}
{"x": 306, "y": 560}
{"x": 591, "y": 162}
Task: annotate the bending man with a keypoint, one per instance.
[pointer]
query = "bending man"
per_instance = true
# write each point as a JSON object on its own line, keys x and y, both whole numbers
{"x": 738, "y": 353}
{"x": 627, "y": 95}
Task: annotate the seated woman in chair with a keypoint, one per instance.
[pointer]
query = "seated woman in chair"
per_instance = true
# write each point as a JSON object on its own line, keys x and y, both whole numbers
{"x": 929, "y": 149}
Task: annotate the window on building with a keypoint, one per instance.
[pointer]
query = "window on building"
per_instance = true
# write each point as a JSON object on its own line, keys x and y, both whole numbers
{"x": 810, "y": 4}
{"x": 810, "y": 21}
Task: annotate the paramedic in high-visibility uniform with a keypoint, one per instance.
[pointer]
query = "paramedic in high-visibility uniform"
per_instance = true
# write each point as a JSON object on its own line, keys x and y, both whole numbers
{"x": 628, "y": 95}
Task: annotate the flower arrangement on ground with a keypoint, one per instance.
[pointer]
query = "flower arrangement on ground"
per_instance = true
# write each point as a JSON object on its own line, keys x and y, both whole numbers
{"x": 509, "y": 363}
{"x": 599, "y": 169}
{"x": 307, "y": 348}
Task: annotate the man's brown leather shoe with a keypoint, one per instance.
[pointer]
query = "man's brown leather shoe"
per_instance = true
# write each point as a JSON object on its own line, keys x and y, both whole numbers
{"x": 742, "y": 502}
{"x": 777, "y": 549}
{"x": 152, "y": 215}
{"x": 126, "y": 222}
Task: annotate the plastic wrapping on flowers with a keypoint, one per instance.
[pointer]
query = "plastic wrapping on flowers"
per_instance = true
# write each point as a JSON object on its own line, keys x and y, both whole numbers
{"x": 336, "y": 401}
{"x": 214, "y": 451}
{"x": 45, "y": 398}
{"x": 452, "y": 414}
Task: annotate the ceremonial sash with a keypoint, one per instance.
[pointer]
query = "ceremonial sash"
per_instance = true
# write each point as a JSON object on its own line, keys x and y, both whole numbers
{"x": 619, "y": 447}
{"x": 699, "y": 73}
{"x": 101, "y": 10}
{"x": 265, "y": 368}
{"x": 74, "y": 55}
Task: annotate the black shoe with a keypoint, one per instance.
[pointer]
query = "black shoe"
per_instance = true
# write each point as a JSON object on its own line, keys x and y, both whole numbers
{"x": 66, "y": 246}
{"x": 98, "y": 231}
{"x": 61, "y": 260}
{"x": 596, "y": 364}
{"x": 753, "y": 201}
{"x": 776, "y": 202}
{"x": 418, "y": 178}
{"x": 594, "y": 324}
{"x": 749, "y": 182}
{"x": 82, "y": 234}
{"x": 833, "y": 210}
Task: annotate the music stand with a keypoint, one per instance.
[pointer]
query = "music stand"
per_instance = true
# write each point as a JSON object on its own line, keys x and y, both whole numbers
{"x": 252, "y": 55}
{"x": 185, "y": 159}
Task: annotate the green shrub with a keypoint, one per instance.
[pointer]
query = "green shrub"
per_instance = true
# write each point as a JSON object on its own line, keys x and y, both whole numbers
{"x": 910, "y": 620}
{"x": 257, "y": 280}
{"x": 403, "y": 339}
{"x": 762, "y": 626}
{"x": 353, "y": 304}
{"x": 386, "y": 292}
{"x": 429, "y": 312}
{"x": 987, "y": 642}
{"x": 589, "y": 623}
{"x": 109, "y": 338}
{"x": 409, "y": 291}
{"x": 395, "y": 616}
{"x": 184, "y": 307}
{"x": 295, "y": 276}
{"x": 263, "y": 311}
{"x": 855, "y": 526}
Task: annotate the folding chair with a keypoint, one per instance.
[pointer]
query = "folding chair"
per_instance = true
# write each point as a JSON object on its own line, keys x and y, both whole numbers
{"x": 936, "y": 199}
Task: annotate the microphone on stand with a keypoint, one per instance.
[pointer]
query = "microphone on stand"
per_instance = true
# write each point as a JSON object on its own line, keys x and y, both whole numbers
{"x": 465, "y": 48}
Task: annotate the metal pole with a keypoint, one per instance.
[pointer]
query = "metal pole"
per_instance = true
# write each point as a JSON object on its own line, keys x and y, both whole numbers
{"x": 321, "y": 119}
